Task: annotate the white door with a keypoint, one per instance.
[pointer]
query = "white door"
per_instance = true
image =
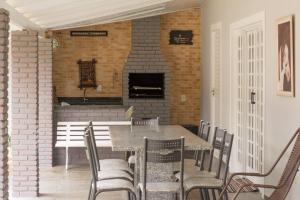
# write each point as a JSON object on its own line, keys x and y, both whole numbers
{"x": 215, "y": 67}
{"x": 247, "y": 85}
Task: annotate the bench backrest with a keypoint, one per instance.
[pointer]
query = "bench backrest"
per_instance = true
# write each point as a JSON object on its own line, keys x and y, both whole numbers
{"x": 70, "y": 134}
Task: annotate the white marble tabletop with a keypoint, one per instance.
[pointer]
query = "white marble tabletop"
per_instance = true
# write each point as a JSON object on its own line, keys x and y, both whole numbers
{"x": 123, "y": 139}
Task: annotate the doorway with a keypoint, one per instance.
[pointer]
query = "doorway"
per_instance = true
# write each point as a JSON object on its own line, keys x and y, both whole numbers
{"x": 215, "y": 67}
{"x": 247, "y": 85}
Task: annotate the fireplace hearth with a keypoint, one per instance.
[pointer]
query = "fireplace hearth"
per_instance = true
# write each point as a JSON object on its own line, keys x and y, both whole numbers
{"x": 146, "y": 85}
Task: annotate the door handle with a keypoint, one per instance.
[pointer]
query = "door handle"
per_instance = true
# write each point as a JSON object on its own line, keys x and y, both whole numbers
{"x": 213, "y": 92}
{"x": 252, "y": 97}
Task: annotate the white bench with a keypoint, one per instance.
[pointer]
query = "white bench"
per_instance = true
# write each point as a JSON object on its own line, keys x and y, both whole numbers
{"x": 70, "y": 134}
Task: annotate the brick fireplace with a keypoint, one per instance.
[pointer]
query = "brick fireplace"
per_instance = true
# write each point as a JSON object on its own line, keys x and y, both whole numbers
{"x": 146, "y": 58}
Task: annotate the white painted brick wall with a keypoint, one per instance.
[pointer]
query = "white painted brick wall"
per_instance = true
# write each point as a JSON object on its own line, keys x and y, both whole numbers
{"x": 4, "y": 27}
{"x": 45, "y": 103}
{"x": 25, "y": 113}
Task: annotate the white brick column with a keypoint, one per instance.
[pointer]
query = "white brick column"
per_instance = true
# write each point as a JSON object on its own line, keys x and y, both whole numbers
{"x": 45, "y": 103}
{"x": 25, "y": 167}
{"x": 4, "y": 27}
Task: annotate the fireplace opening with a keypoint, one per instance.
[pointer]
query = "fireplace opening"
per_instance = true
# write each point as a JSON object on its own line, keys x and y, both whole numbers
{"x": 146, "y": 85}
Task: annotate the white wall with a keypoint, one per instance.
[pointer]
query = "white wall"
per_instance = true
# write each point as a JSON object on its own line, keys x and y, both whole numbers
{"x": 282, "y": 113}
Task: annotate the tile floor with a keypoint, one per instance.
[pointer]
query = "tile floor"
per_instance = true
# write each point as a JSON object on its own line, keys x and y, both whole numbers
{"x": 59, "y": 184}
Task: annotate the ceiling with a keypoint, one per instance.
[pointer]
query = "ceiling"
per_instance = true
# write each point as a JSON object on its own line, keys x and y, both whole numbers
{"x": 61, "y": 14}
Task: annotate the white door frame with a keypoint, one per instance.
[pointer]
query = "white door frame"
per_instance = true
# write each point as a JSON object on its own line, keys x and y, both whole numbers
{"x": 241, "y": 25}
{"x": 215, "y": 29}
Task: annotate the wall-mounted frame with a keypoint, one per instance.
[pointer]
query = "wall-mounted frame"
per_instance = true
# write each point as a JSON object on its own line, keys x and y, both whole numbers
{"x": 87, "y": 73}
{"x": 285, "y": 57}
{"x": 89, "y": 33}
{"x": 181, "y": 37}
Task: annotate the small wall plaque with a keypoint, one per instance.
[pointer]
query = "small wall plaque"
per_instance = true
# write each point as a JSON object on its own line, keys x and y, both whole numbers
{"x": 89, "y": 33}
{"x": 87, "y": 73}
{"x": 179, "y": 37}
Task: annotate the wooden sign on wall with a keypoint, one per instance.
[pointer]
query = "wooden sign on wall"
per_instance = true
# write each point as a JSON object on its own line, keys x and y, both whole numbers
{"x": 179, "y": 37}
{"x": 89, "y": 33}
{"x": 87, "y": 73}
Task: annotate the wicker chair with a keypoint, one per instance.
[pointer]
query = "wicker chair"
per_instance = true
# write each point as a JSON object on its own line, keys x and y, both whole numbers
{"x": 99, "y": 186}
{"x": 162, "y": 151}
{"x": 214, "y": 181}
{"x": 107, "y": 165}
{"x": 282, "y": 189}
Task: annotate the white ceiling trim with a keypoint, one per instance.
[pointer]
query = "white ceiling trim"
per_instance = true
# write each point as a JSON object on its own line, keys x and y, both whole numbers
{"x": 61, "y": 14}
{"x": 18, "y": 19}
{"x": 99, "y": 17}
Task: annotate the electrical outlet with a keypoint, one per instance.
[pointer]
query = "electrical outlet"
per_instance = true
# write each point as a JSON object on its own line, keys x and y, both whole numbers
{"x": 183, "y": 98}
{"x": 99, "y": 88}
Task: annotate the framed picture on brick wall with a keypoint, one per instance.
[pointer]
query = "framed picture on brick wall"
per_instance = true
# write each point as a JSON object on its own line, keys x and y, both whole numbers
{"x": 181, "y": 37}
{"x": 87, "y": 73}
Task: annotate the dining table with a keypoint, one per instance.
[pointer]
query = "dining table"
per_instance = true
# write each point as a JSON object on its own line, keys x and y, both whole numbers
{"x": 131, "y": 139}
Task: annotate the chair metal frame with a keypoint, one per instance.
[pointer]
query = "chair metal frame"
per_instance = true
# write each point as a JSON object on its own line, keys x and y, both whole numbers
{"x": 94, "y": 191}
{"x": 128, "y": 170}
{"x": 225, "y": 147}
{"x": 90, "y": 132}
{"x": 163, "y": 151}
{"x": 153, "y": 123}
{"x": 282, "y": 189}
{"x": 203, "y": 133}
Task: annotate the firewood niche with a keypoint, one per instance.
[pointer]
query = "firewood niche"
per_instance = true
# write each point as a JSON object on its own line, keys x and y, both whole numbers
{"x": 87, "y": 73}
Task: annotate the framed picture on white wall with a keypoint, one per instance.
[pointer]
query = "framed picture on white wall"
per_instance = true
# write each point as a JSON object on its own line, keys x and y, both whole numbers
{"x": 285, "y": 57}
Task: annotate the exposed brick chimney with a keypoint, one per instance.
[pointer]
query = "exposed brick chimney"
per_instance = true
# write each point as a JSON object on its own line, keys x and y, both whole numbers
{"x": 146, "y": 57}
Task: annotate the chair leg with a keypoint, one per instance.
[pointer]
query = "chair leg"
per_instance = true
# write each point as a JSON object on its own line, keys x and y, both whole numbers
{"x": 201, "y": 194}
{"x": 129, "y": 196}
{"x": 90, "y": 191}
{"x": 139, "y": 194}
{"x": 206, "y": 194}
{"x": 226, "y": 195}
{"x": 133, "y": 196}
{"x": 213, "y": 194}
{"x": 67, "y": 157}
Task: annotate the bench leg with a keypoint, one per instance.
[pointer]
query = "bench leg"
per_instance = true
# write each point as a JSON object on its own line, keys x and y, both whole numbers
{"x": 67, "y": 158}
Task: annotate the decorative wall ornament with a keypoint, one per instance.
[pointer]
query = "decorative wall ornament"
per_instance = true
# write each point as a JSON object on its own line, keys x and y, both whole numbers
{"x": 285, "y": 57}
{"x": 87, "y": 73}
{"x": 55, "y": 43}
{"x": 89, "y": 33}
{"x": 178, "y": 37}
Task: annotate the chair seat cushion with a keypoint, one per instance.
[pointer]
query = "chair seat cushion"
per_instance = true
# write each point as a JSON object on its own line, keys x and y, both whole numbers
{"x": 114, "y": 184}
{"x": 109, "y": 164}
{"x": 113, "y": 174}
{"x": 161, "y": 187}
{"x": 203, "y": 174}
{"x": 199, "y": 182}
{"x": 131, "y": 160}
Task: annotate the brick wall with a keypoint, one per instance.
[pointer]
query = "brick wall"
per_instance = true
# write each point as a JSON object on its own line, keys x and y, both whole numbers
{"x": 145, "y": 57}
{"x": 4, "y": 27}
{"x": 110, "y": 52}
{"x": 24, "y": 113}
{"x": 184, "y": 63}
{"x": 45, "y": 102}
